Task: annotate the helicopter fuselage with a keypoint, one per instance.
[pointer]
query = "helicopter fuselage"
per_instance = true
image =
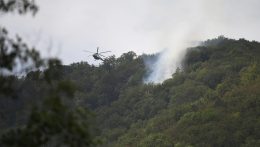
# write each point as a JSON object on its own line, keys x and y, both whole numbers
{"x": 97, "y": 57}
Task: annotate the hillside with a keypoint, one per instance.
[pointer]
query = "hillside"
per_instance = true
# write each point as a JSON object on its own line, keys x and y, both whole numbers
{"x": 213, "y": 99}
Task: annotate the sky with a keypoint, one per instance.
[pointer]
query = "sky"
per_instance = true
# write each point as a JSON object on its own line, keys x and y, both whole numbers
{"x": 64, "y": 28}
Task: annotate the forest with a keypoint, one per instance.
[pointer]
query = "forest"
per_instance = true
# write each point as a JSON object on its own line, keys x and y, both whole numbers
{"x": 212, "y": 100}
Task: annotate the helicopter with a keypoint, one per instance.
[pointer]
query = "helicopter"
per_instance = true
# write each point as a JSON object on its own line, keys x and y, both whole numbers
{"x": 98, "y": 55}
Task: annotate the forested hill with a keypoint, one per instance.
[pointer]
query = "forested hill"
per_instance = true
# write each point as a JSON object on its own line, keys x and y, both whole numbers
{"x": 213, "y": 99}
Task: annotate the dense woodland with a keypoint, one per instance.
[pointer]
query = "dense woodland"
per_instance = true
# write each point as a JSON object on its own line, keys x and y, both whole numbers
{"x": 212, "y": 100}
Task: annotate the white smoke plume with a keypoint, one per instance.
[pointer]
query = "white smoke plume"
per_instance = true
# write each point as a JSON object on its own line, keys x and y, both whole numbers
{"x": 170, "y": 58}
{"x": 202, "y": 20}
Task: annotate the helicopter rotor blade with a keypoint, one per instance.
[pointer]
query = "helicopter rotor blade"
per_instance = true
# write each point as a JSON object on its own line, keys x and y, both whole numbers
{"x": 104, "y": 52}
{"x": 102, "y": 55}
{"x": 88, "y": 51}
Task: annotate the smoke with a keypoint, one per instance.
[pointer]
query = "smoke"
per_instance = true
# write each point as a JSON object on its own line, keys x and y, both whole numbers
{"x": 170, "y": 58}
{"x": 186, "y": 22}
{"x": 176, "y": 40}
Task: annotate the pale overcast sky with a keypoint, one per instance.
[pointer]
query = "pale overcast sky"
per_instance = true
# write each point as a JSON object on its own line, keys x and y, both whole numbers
{"x": 64, "y": 28}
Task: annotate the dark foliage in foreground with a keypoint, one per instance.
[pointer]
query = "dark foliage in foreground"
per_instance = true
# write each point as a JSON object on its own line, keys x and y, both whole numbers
{"x": 37, "y": 110}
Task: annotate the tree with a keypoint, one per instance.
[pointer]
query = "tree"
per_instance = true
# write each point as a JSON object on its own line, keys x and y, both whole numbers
{"x": 54, "y": 122}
